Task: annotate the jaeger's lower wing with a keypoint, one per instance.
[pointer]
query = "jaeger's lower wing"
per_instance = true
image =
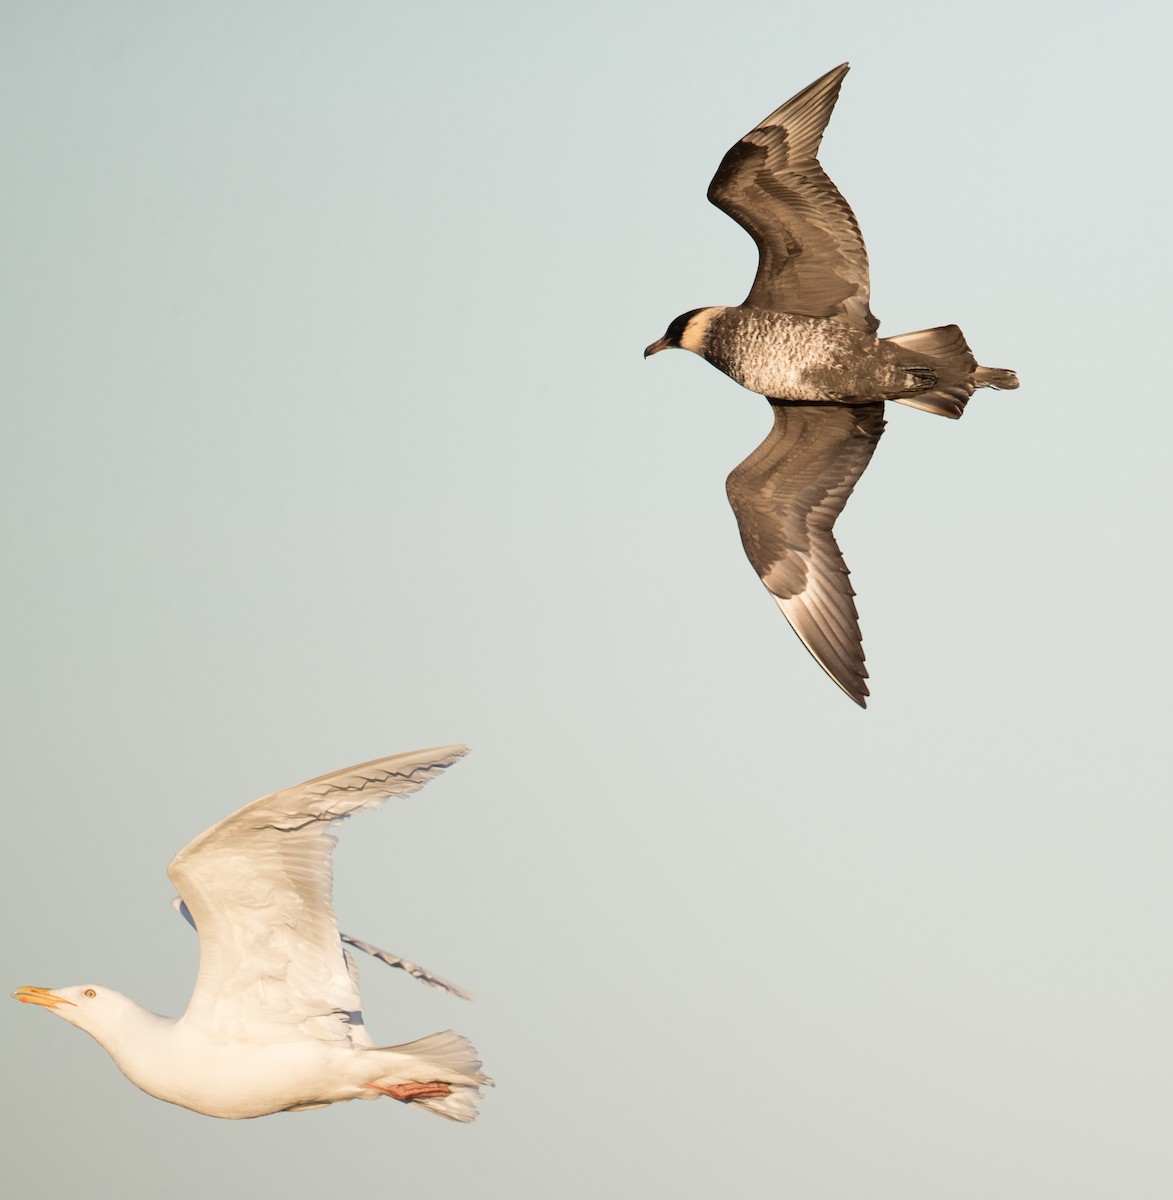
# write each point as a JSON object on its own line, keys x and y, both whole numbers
{"x": 786, "y": 496}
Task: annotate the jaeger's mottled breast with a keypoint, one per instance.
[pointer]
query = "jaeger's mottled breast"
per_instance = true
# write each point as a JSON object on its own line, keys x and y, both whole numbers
{"x": 792, "y": 357}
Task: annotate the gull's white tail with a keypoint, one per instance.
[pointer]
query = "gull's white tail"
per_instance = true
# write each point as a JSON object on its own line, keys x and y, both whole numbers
{"x": 446, "y": 1057}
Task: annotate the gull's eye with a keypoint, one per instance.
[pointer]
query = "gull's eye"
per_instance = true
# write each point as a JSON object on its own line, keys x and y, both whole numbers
{"x": 89, "y": 993}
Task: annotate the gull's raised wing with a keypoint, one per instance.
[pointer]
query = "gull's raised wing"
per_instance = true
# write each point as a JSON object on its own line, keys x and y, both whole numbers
{"x": 811, "y": 256}
{"x": 786, "y": 496}
{"x": 258, "y": 886}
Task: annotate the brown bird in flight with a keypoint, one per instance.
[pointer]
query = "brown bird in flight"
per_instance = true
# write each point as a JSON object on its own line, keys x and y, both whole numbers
{"x": 805, "y": 338}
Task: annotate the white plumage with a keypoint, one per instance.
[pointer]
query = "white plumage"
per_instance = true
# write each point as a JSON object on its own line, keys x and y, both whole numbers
{"x": 275, "y": 1021}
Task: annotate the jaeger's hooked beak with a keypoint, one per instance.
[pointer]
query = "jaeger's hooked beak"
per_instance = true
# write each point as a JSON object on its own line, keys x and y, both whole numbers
{"x": 658, "y": 345}
{"x": 41, "y": 996}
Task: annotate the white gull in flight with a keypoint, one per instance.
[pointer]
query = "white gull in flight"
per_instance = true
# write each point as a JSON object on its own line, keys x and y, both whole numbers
{"x": 275, "y": 1022}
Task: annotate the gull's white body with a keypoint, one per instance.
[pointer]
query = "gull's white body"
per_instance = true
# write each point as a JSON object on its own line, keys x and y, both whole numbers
{"x": 275, "y": 1021}
{"x": 177, "y": 1061}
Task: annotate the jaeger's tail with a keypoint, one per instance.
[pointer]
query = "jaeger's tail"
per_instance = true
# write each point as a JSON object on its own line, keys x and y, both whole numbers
{"x": 995, "y": 377}
{"x": 944, "y": 351}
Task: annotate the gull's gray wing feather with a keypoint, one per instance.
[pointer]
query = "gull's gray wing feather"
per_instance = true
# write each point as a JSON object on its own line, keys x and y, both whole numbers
{"x": 786, "y": 496}
{"x": 257, "y": 886}
{"x": 182, "y": 909}
{"x": 355, "y": 1025}
{"x": 416, "y": 972}
{"x": 811, "y": 256}
{"x": 384, "y": 956}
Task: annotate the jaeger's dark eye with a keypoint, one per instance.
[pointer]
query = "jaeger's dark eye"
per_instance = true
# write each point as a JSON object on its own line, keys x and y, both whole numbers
{"x": 89, "y": 993}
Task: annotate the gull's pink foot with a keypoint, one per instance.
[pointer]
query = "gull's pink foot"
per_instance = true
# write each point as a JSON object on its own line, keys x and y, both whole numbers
{"x": 413, "y": 1091}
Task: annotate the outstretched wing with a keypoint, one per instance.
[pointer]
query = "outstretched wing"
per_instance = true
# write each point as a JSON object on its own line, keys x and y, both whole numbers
{"x": 786, "y": 497}
{"x": 811, "y": 256}
{"x": 258, "y": 889}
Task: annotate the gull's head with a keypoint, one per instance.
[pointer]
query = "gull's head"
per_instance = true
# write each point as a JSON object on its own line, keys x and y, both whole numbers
{"x": 87, "y": 1006}
{"x": 690, "y": 331}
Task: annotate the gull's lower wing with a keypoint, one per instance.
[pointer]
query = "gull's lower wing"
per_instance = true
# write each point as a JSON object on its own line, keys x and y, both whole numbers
{"x": 786, "y": 496}
{"x": 416, "y": 972}
{"x": 384, "y": 956}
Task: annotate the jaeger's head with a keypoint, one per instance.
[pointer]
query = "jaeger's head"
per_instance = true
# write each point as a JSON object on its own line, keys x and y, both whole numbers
{"x": 689, "y": 331}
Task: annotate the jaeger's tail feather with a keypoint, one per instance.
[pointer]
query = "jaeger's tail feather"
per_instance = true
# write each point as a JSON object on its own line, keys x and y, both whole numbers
{"x": 995, "y": 377}
{"x": 945, "y": 352}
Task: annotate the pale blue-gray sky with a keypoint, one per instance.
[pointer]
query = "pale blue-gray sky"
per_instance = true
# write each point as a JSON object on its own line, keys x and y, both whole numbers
{"x": 327, "y": 435}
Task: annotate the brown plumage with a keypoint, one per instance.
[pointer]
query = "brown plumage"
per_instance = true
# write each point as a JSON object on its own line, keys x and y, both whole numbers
{"x": 805, "y": 338}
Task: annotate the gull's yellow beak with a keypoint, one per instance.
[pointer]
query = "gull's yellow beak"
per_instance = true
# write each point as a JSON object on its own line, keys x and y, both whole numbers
{"x": 41, "y": 996}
